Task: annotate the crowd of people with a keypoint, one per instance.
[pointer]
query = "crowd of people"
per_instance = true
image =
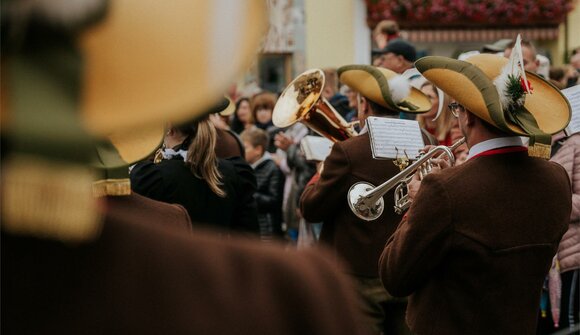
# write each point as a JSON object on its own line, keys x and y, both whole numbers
{"x": 201, "y": 233}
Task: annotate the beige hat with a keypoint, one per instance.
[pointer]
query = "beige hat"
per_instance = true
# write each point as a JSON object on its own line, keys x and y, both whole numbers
{"x": 149, "y": 61}
{"x": 385, "y": 88}
{"x": 545, "y": 111}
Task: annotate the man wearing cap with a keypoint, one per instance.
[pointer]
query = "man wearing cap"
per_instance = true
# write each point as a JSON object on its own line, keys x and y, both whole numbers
{"x": 356, "y": 241}
{"x": 474, "y": 261}
{"x": 399, "y": 56}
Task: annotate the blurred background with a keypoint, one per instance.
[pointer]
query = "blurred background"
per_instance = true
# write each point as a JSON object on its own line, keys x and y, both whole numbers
{"x": 306, "y": 34}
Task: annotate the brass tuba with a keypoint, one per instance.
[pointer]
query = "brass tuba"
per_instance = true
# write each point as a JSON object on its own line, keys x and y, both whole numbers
{"x": 366, "y": 200}
{"x": 302, "y": 101}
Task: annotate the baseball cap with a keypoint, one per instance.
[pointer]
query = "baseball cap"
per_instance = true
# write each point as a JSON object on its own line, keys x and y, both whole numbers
{"x": 399, "y": 47}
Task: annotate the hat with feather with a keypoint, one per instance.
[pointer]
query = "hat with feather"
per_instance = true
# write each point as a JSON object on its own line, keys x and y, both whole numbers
{"x": 500, "y": 92}
{"x": 385, "y": 88}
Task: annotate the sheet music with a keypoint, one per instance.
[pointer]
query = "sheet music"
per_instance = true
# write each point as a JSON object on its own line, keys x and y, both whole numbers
{"x": 316, "y": 148}
{"x": 387, "y": 135}
{"x": 573, "y": 96}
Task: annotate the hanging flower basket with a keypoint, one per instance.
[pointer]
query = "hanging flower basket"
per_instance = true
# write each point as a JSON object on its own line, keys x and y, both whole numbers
{"x": 417, "y": 14}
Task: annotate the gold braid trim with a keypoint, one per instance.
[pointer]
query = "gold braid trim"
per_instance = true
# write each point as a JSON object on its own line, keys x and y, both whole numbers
{"x": 49, "y": 200}
{"x": 113, "y": 187}
{"x": 540, "y": 150}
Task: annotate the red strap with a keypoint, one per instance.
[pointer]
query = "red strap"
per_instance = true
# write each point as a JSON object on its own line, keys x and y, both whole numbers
{"x": 314, "y": 179}
{"x": 499, "y": 151}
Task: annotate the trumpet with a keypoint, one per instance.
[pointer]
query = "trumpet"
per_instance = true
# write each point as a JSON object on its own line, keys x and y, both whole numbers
{"x": 366, "y": 201}
{"x": 302, "y": 101}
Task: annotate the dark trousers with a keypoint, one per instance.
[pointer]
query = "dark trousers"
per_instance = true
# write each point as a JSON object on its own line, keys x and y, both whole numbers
{"x": 383, "y": 313}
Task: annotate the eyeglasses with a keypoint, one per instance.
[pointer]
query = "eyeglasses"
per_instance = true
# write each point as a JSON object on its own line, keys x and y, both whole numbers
{"x": 454, "y": 108}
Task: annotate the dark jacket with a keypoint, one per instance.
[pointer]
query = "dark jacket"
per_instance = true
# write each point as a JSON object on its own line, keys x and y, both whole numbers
{"x": 228, "y": 144}
{"x": 358, "y": 242}
{"x": 476, "y": 245}
{"x": 136, "y": 207}
{"x": 142, "y": 278}
{"x": 173, "y": 182}
{"x": 269, "y": 195}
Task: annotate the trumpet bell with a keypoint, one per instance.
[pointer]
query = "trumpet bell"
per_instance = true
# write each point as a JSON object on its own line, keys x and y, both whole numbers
{"x": 364, "y": 210}
{"x": 302, "y": 101}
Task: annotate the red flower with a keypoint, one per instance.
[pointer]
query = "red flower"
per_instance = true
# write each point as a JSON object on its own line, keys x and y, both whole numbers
{"x": 523, "y": 84}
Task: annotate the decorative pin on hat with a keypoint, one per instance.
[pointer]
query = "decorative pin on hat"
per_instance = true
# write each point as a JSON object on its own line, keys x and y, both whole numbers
{"x": 499, "y": 92}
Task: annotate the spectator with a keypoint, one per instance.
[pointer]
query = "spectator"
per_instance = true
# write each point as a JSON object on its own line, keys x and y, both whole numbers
{"x": 439, "y": 122}
{"x": 191, "y": 175}
{"x": 531, "y": 62}
{"x": 566, "y": 152}
{"x": 331, "y": 93}
{"x": 270, "y": 181}
{"x": 385, "y": 31}
{"x": 243, "y": 118}
{"x": 262, "y": 108}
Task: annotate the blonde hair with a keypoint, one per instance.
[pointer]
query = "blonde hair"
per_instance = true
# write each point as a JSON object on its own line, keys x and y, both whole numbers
{"x": 201, "y": 156}
{"x": 446, "y": 120}
{"x": 256, "y": 137}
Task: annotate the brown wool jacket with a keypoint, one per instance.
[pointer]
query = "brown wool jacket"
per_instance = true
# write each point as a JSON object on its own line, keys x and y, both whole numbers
{"x": 139, "y": 277}
{"x": 476, "y": 245}
{"x": 134, "y": 207}
{"x": 358, "y": 242}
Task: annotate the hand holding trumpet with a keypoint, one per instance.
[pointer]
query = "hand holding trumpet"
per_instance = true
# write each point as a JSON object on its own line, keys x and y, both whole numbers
{"x": 438, "y": 163}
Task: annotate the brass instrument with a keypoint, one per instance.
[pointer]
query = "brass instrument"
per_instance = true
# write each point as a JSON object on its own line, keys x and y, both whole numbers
{"x": 302, "y": 101}
{"x": 366, "y": 200}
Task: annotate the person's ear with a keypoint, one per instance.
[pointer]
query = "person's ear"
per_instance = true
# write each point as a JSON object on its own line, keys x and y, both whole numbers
{"x": 470, "y": 119}
{"x": 363, "y": 105}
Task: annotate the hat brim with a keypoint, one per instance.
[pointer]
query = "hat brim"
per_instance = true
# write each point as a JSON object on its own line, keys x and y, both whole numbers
{"x": 229, "y": 109}
{"x": 150, "y": 61}
{"x": 378, "y": 52}
{"x": 471, "y": 84}
{"x": 373, "y": 83}
{"x": 127, "y": 147}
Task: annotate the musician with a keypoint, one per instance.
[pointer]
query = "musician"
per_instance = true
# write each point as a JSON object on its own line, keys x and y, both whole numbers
{"x": 191, "y": 175}
{"x": 356, "y": 241}
{"x": 70, "y": 263}
{"x": 475, "y": 261}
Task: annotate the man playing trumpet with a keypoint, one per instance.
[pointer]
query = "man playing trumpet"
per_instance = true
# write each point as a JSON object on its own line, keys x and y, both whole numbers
{"x": 358, "y": 242}
{"x": 474, "y": 261}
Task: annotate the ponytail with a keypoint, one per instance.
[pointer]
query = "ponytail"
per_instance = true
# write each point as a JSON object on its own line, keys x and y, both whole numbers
{"x": 201, "y": 156}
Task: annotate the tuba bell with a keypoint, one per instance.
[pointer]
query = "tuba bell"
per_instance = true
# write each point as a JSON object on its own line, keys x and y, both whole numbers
{"x": 302, "y": 101}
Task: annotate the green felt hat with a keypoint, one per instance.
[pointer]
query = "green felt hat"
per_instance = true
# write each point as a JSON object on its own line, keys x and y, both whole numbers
{"x": 377, "y": 84}
{"x": 545, "y": 111}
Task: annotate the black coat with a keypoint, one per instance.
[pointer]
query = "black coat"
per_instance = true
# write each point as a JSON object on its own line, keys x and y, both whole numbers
{"x": 173, "y": 182}
{"x": 269, "y": 196}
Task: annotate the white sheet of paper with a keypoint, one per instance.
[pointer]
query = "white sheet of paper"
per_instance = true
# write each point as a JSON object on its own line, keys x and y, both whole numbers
{"x": 573, "y": 96}
{"x": 316, "y": 148}
{"x": 387, "y": 135}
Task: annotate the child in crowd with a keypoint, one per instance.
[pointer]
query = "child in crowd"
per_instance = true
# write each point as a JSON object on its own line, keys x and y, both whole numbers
{"x": 270, "y": 183}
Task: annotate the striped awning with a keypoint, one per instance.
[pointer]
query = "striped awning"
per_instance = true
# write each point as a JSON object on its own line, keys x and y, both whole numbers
{"x": 479, "y": 35}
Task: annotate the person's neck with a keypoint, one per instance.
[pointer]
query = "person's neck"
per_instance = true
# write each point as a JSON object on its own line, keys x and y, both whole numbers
{"x": 429, "y": 123}
{"x": 476, "y": 137}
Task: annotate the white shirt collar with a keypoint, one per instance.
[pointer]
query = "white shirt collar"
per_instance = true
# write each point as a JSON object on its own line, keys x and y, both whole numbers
{"x": 494, "y": 143}
{"x": 365, "y": 129}
{"x": 169, "y": 153}
{"x": 266, "y": 156}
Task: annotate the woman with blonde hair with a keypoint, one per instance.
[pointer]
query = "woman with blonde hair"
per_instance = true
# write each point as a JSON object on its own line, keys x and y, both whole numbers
{"x": 440, "y": 122}
{"x": 191, "y": 175}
